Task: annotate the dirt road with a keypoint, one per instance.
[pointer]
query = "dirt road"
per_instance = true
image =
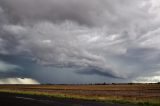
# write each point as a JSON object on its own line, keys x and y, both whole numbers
{"x": 7, "y": 99}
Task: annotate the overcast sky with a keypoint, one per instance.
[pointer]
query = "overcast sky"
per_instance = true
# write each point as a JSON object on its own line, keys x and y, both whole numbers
{"x": 79, "y": 41}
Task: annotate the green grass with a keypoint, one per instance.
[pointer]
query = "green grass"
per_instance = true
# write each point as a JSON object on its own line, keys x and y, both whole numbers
{"x": 110, "y": 99}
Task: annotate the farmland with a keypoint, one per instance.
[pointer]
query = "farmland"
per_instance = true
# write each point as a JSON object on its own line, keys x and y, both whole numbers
{"x": 116, "y": 93}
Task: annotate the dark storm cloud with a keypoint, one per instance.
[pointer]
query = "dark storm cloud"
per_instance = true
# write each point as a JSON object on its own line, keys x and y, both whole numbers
{"x": 92, "y": 71}
{"x": 115, "y": 38}
{"x": 91, "y": 12}
{"x": 24, "y": 66}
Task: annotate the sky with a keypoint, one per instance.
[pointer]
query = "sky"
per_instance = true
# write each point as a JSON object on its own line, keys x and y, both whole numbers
{"x": 79, "y": 41}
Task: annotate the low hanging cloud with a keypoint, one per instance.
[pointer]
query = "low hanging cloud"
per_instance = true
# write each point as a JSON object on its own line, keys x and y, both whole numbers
{"x": 6, "y": 67}
{"x": 113, "y": 38}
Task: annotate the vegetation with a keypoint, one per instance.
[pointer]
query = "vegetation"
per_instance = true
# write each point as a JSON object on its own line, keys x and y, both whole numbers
{"x": 142, "y": 94}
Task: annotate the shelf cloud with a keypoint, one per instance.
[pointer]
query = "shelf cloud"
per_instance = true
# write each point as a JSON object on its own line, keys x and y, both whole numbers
{"x": 8, "y": 67}
{"x": 116, "y": 39}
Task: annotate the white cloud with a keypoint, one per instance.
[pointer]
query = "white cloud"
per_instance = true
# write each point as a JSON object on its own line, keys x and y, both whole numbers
{"x": 18, "y": 81}
{"x": 14, "y": 29}
{"x": 149, "y": 79}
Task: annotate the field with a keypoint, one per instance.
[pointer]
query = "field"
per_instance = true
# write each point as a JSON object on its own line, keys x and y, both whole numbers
{"x": 145, "y": 94}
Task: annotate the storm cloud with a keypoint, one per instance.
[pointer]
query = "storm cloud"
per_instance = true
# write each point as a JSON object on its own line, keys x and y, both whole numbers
{"x": 109, "y": 38}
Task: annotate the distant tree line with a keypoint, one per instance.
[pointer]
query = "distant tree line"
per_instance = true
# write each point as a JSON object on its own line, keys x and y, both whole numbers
{"x": 104, "y": 83}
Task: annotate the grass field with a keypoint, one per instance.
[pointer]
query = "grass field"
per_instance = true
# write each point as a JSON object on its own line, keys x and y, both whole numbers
{"x": 144, "y": 94}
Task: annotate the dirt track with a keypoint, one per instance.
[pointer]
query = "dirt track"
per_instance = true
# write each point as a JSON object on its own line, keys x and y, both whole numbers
{"x": 7, "y": 99}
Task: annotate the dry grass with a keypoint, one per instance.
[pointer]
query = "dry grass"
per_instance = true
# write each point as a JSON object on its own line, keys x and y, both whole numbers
{"x": 146, "y": 94}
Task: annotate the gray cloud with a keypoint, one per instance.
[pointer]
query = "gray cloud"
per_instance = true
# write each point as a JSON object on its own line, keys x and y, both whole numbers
{"x": 4, "y": 67}
{"x": 116, "y": 38}
{"x": 92, "y": 71}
